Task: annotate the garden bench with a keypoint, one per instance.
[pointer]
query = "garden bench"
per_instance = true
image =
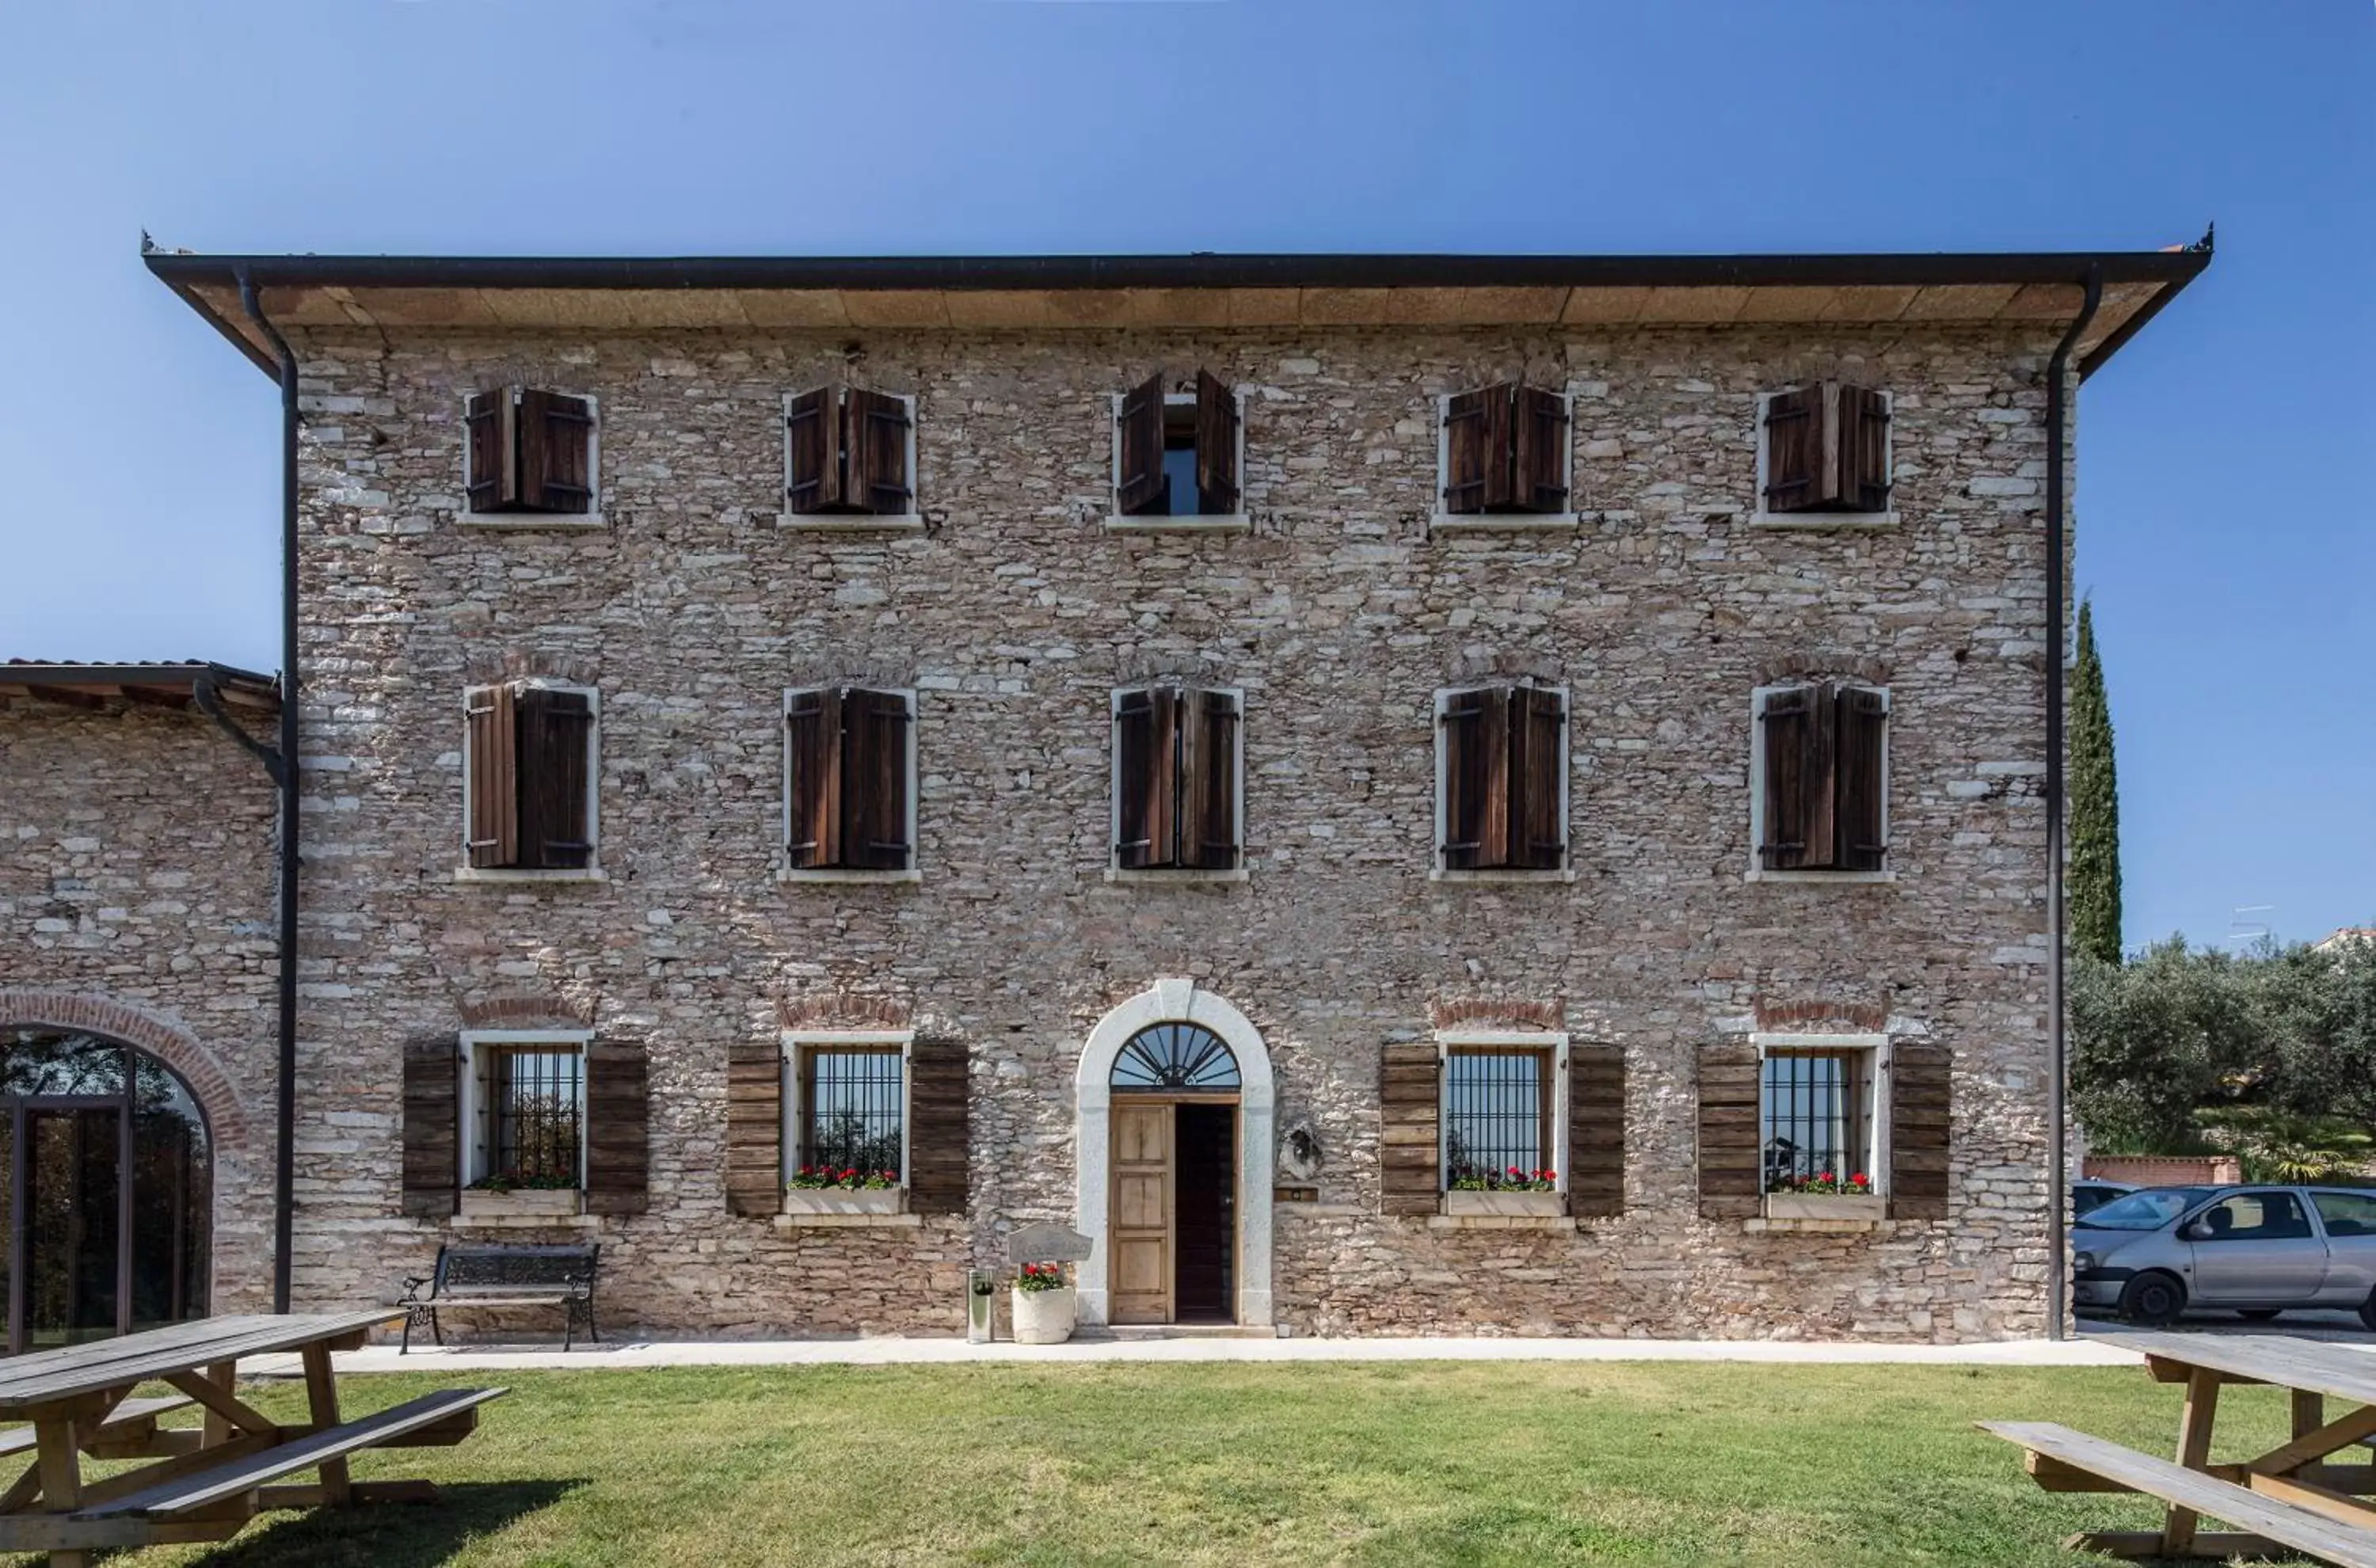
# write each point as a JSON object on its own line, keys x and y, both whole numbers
{"x": 470, "y": 1275}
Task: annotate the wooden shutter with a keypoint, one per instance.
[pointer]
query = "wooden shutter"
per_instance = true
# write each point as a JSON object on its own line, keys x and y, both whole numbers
{"x": 1538, "y": 824}
{"x": 556, "y": 447}
{"x": 1800, "y": 473}
{"x": 1919, "y": 1129}
{"x": 755, "y": 1127}
{"x": 1147, "y": 774}
{"x": 1209, "y": 738}
{"x": 432, "y": 1125}
{"x": 1467, "y": 452}
{"x": 1410, "y": 1175}
{"x": 813, "y": 443}
{"x": 813, "y": 750}
{"x": 876, "y": 732}
{"x": 1142, "y": 488}
{"x": 1596, "y": 1131}
{"x": 1476, "y": 778}
{"x": 556, "y": 732}
{"x": 940, "y": 1124}
{"x": 879, "y": 480}
{"x": 1731, "y": 1171}
{"x": 1541, "y": 442}
{"x": 492, "y": 741}
{"x": 1862, "y": 791}
{"x": 618, "y": 1139}
{"x": 1217, "y": 447}
{"x": 1862, "y": 417}
{"x": 1795, "y": 728}
{"x": 493, "y": 478}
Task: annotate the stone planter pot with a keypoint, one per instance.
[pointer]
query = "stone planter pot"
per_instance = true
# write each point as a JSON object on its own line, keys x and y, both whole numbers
{"x": 1824, "y": 1205}
{"x": 523, "y": 1204}
{"x": 1043, "y": 1317}
{"x": 1531, "y": 1203}
{"x": 836, "y": 1200}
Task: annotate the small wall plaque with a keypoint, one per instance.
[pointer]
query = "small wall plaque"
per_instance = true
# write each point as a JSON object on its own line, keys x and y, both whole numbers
{"x": 1295, "y": 1195}
{"x": 1047, "y": 1243}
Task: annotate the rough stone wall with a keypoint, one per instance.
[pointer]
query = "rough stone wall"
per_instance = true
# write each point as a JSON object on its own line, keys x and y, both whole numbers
{"x": 1014, "y": 613}
{"x": 136, "y": 900}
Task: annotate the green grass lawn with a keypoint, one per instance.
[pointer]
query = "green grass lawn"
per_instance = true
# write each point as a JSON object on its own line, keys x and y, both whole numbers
{"x": 1812, "y": 1467}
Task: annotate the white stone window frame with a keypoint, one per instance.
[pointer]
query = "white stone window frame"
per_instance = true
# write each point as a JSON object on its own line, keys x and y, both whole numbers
{"x": 1566, "y": 871}
{"x": 1553, "y": 1043}
{"x": 1442, "y": 521}
{"x": 471, "y": 1108}
{"x": 910, "y": 521}
{"x": 1761, "y": 872}
{"x": 797, "y": 1046}
{"x": 1176, "y": 875}
{"x": 589, "y": 518}
{"x": 592, "y": 870}
{"x": 1876, "y": 1137}
{"x": 1759, "y": 518}
{"x": 1117, "y": 521}
{"x": 913, "y": 871}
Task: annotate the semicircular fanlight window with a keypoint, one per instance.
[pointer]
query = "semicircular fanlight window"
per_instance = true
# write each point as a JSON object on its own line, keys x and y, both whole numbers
{"x": 1173, "y": 1057}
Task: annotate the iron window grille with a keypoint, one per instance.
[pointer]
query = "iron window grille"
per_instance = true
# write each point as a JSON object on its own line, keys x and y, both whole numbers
{"x": 853, "y": 1109}
{"x": 535, "y": 1116}
{"x": 1497, "y": 1112}
{"x": 1816, "y": 1116}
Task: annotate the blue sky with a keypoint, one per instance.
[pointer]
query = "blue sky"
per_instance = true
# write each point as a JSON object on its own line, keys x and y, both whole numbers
{"x": 2228, "y": 455}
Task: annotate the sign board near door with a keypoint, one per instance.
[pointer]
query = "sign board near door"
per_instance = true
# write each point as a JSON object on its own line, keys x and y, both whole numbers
{"x": 1047, "y": 1243}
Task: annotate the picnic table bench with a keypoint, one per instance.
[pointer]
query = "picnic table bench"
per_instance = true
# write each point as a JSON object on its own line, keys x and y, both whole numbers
{"x": 2294, "y": 1497}
{"x": 479, "y": 1275}
{"x": 203, "y": 1483}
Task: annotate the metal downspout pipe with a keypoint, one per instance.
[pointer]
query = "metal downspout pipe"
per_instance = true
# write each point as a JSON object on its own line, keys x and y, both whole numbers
{"x": 284, "y": 1171}
{"x": 2057, "y": 1057}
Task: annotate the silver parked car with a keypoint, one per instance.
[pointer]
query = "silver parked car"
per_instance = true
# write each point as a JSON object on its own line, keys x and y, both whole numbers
{"x": 2254, "y": 1250}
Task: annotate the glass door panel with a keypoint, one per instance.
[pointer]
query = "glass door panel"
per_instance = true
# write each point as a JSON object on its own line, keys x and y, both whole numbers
{"x": 72, "y": 1173}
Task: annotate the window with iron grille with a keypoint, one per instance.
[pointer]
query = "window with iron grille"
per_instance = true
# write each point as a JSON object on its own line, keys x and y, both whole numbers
{"x": 853, "y": 1110}
{"x": 1816, "y": 1122}
{"x": 1497, "y": 1116}
{"x": 532, "y": 1114}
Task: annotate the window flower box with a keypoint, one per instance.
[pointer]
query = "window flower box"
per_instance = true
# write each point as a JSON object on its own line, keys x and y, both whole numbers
{"x": 521, "y": 1203}
{"x": 843, "y": 1200}
{"x": 1504, "y": 1203}
{"x": 1825, "y": 1205}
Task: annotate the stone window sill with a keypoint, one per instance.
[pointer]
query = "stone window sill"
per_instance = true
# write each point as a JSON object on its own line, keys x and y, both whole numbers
{"x": 1500, "y": 1222}
{"x": 1865, "y": 522}
{"x": 847, "y": 1221}
{"x": 1504, "y": 522}
{"x": 1155, "y": 878}
{"x": 844, "y": 875}
{"x": 582, "y": 1222}
{"x": 1442, "y": 873}
{"x": 519, "y": 520}
{"x": 1759, "y": 873}
{"x": 1818, "y": 1227}
{"x": 1236, "y": 522}
{"x": 515, "y": 874}
{"x": 829, "y": 522}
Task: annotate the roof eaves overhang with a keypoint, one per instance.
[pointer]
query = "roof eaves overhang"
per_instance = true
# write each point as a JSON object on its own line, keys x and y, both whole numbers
{"x": 167, "y": 686}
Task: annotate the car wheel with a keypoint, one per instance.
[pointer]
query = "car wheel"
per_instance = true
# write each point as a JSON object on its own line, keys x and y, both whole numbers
{"x": 2258, "y": 1314}
{"x": 2368, "y": 1312}
{"x": 2153, "y": 1299}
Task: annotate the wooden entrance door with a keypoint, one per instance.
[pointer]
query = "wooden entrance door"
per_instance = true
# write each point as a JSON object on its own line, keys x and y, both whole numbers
{"x": 1140, "y": 1236}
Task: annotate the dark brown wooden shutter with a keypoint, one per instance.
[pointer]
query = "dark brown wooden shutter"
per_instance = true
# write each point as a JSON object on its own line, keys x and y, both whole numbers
{"x": 755, "y": 1127}
{"x": 1538, "y": 824}
{"x": 813, "y": 443}
{"x": 1467, "y": 452}
{"x": 813, "y": 747}
{"x": 1209, "y": 738}
{"x": 1863, "y": 779}
{"x": 618, "y": 1138}
{"x": 1476, "y": 778}
{"x": 432, "y": 1125}
{"x": 1541, "y": 440}
{"x": 1410, "y": 1176}
{"x": 1863, "y": 446}
{"x": 879, "y": 480}
{"x": 1217, "y": 447}
{"x": 556, "y": 446}
{"x": 1920, "y": 1074}
{"x": 1146, "y": 778}
{"x": 1795, "y": 728}
{"x": 1596, "y": 1130}
{"x": 940, "y": 1124}
{"x": 556, "y": 732}
{"x": 1800, "y": 476}
{"x": 876, "y": 733}
{"x": 493, "y": 747}
{"x": 1143, "y": 488}
{"x": 493, "y": 442}
{"x": 1731, "y": 1171}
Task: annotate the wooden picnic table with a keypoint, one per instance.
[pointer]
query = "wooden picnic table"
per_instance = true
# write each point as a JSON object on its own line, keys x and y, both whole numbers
{"x": 204, "y": 1482}
{"x": 2294, "y": 1497}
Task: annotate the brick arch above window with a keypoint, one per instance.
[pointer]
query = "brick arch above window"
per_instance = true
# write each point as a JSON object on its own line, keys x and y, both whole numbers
{"x": 526, "y": 1011}
{"x": 160, "y": 1036}
{"x": 496, "y": 666}
{"x": 1446, "y": 1013}
{"x": 844, "y": 1010}
{"x": 1787, "y": 667}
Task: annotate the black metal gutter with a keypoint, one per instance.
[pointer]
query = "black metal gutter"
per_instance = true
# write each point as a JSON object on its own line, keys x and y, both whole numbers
{"x": 284, "y": 1171}
{"x": 2058, "y": 418}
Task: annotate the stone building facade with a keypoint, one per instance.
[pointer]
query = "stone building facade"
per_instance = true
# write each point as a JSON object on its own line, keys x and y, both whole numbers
{"x": 687, "y": 602}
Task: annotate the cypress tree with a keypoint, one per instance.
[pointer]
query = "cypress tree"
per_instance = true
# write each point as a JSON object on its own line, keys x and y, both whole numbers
{"x": 2095, "y": 870}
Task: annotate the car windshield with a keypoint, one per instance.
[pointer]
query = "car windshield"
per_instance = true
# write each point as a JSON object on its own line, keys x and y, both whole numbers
{"x": 2147, "y": 1210}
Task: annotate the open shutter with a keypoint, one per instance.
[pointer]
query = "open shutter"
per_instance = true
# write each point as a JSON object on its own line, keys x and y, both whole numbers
{"x": 1410, "y": 1083}
{"x": 1217, "y": 447}
{"x": 556, "y": 732}
{"x": 877, "y": 731}
{"x": 432, "y": 1125}
{"x": 493, "y": 745}
{"x": 940, "y": 1124}
{"x": 1862, "y": 791}
{"x": 1541, "y": 440}
{"x": 879, "y": 480}
{"x": 1148, "y": 779}
{"x": 1795, "y": 728}
{"x": 1476, "y": 778}
{"x": 1596, "y": 1131}
{"x": 618, "y": 1140}
{"x": 1800, "y": 473}
{"x": 1919, "y": 1129}
{"x": 556, "y": 446}
{"x": 755, "y": 1127}
{"x": 1863, "y": 447}
{"x": 1465, "y": 452}
{"x": 1538, "y": 821}
{"x": 813, "y": 462}
{"x": 1141, "y": 488}
{"x": 1209, "y": 738}
{"x": 494, "y": 477}
{"x": 1731, "y": 1172}
{"x": 812, "y": 752}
